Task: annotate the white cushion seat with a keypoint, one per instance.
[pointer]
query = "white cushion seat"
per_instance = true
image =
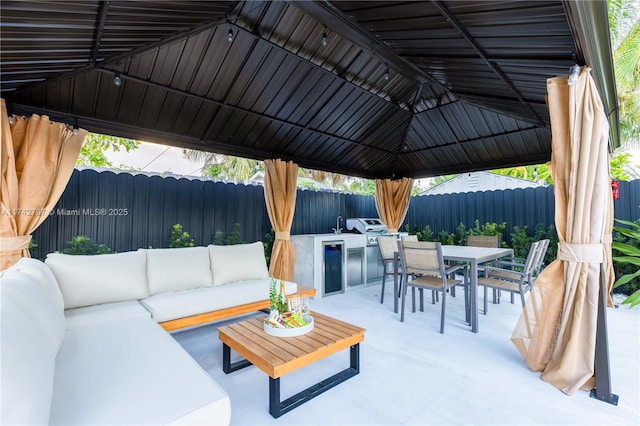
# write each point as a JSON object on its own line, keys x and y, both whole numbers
{"x": 87, "y": 316}
{"x": 132, "y": 372}
{"x": 173, "y": 305}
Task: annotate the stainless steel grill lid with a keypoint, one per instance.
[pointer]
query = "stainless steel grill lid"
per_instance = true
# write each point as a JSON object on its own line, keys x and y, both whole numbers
{"x": 367, "y": 226}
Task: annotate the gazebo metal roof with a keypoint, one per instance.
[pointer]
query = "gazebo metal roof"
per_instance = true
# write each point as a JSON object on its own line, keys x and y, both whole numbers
{"x": 399, "y": 88}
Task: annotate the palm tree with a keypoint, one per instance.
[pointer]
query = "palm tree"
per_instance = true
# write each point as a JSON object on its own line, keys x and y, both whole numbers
{"x": 237, "y": 168}
{"x": 208, "y": 159}
{"x": 332, "y": 179}
{"x": 624, "y": 27}
{"x": 224, "y": 166}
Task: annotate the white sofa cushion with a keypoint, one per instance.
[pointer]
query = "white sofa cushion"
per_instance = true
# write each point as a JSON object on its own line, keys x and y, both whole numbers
{"x": 87, "y": 316}
{"x": 178, "y": 269}
{"x": 32, "y": 331}
{"x": 132, "y": 372}
{"x": 103, "y": 278}
{"x": 170, "y": 306}
{"x": 238, "y": 262}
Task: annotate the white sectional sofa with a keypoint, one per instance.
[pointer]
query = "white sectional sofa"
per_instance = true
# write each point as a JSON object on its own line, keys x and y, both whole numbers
{"x": 81, "y": 343}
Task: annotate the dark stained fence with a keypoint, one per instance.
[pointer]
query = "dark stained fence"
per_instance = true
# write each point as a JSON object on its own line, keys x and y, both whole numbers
{"x": 517, "y": 207}
{"x": 628, "y": 206}
{"x": 127, "y": 212}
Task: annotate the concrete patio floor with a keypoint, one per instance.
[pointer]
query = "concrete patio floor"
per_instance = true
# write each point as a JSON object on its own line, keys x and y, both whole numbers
{"x": 411, "y": 374}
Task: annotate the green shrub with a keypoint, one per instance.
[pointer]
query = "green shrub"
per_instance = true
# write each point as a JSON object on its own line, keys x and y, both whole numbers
{"x": 411, "y": 230}
{"x": 445, "y": 238}
{"x": 460, "y": 235}
{"x": 520, "y": 241}
{"x": 268, "y": 240}
{"x": 180, "y": 238}
{"x": 549, "y": 233}
{"x": 218, "y": 238}
{"x": 234, "y": 237}
{"x": 33, "y": 248}
{"x": 489, "y": 228}
{"x": 626, "y": 261}
{"x": 82, "y": 245}
{"x": 426, "y": 234}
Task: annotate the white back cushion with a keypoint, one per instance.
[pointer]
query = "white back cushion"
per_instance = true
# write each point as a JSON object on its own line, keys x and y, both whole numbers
{"x": 178, "y": 269}
{"x": 103, "y": 278}
{"x": 32, "y": 330}
{"x": 239, "y": 262}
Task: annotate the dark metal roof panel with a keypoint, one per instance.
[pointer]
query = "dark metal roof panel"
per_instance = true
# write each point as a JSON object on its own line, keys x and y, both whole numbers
{"x": 465, "y": 87}
{"x": 285, "y": 25}
{"x": 477, "y": 42}
{"x": 57, "y": 35}
{"x": 60, "y": 36}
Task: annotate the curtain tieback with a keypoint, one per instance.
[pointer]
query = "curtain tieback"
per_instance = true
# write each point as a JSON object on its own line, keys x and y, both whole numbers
{"x": 283, "y": 235}
{"x": 571, "y": 252}
{"x": 21, "y": 242}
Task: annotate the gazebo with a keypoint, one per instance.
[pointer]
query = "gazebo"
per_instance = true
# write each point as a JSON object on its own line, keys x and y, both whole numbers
{"x": 383, "y": 90}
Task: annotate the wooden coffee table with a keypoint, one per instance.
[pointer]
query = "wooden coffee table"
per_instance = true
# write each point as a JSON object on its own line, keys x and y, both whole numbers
{"x": 277, "y": 356}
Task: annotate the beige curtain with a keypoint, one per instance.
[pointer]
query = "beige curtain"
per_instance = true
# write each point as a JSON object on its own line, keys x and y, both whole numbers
{"x": 557, "y": 329}
{"x": 607, "y": 240}
{"x": 392, "y": 201}
{"x": 280, "y": 181}
{"x": 38, "y": 157}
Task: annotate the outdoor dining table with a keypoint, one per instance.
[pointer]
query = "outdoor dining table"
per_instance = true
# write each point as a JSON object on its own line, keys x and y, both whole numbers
{"x": 474, "y": 256}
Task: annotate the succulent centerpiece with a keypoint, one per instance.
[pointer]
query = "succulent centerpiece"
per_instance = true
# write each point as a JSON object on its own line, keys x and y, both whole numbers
{"x": 290, "y": 317}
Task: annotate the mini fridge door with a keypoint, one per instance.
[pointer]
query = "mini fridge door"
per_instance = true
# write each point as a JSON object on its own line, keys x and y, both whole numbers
{"x": 332, "y": 262}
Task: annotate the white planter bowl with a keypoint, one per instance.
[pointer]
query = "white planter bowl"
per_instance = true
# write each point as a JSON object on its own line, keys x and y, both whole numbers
{"x": 290, "y": 332}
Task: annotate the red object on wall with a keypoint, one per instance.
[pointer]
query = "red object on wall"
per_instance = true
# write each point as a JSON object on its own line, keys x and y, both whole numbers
{"x": 615, "y": 189}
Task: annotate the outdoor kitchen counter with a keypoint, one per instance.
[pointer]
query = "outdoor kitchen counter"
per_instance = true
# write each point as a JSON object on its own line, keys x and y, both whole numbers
{"x": 310, "y": 257}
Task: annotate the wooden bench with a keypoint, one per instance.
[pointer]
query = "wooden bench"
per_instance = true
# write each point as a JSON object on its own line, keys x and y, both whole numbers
{"x": 233, "y": 311}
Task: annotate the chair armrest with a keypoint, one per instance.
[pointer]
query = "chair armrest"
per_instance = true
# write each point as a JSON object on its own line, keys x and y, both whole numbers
{"x": 489, "y": 269}
{"x": 510, "y": 263}
{"x": 513, "y": 259}
{"x": 455, "y": 268}
{"x": 505, "y": 274}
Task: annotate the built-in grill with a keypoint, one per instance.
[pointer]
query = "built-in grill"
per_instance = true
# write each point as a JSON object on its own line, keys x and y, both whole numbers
{"x": 370, "y": 227}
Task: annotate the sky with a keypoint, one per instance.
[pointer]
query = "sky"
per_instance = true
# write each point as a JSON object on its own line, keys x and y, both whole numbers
{"x": 151, "y": 157}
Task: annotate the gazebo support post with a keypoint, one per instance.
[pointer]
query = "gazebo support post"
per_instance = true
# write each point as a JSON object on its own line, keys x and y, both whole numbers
{"x": 602, "y": 391}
